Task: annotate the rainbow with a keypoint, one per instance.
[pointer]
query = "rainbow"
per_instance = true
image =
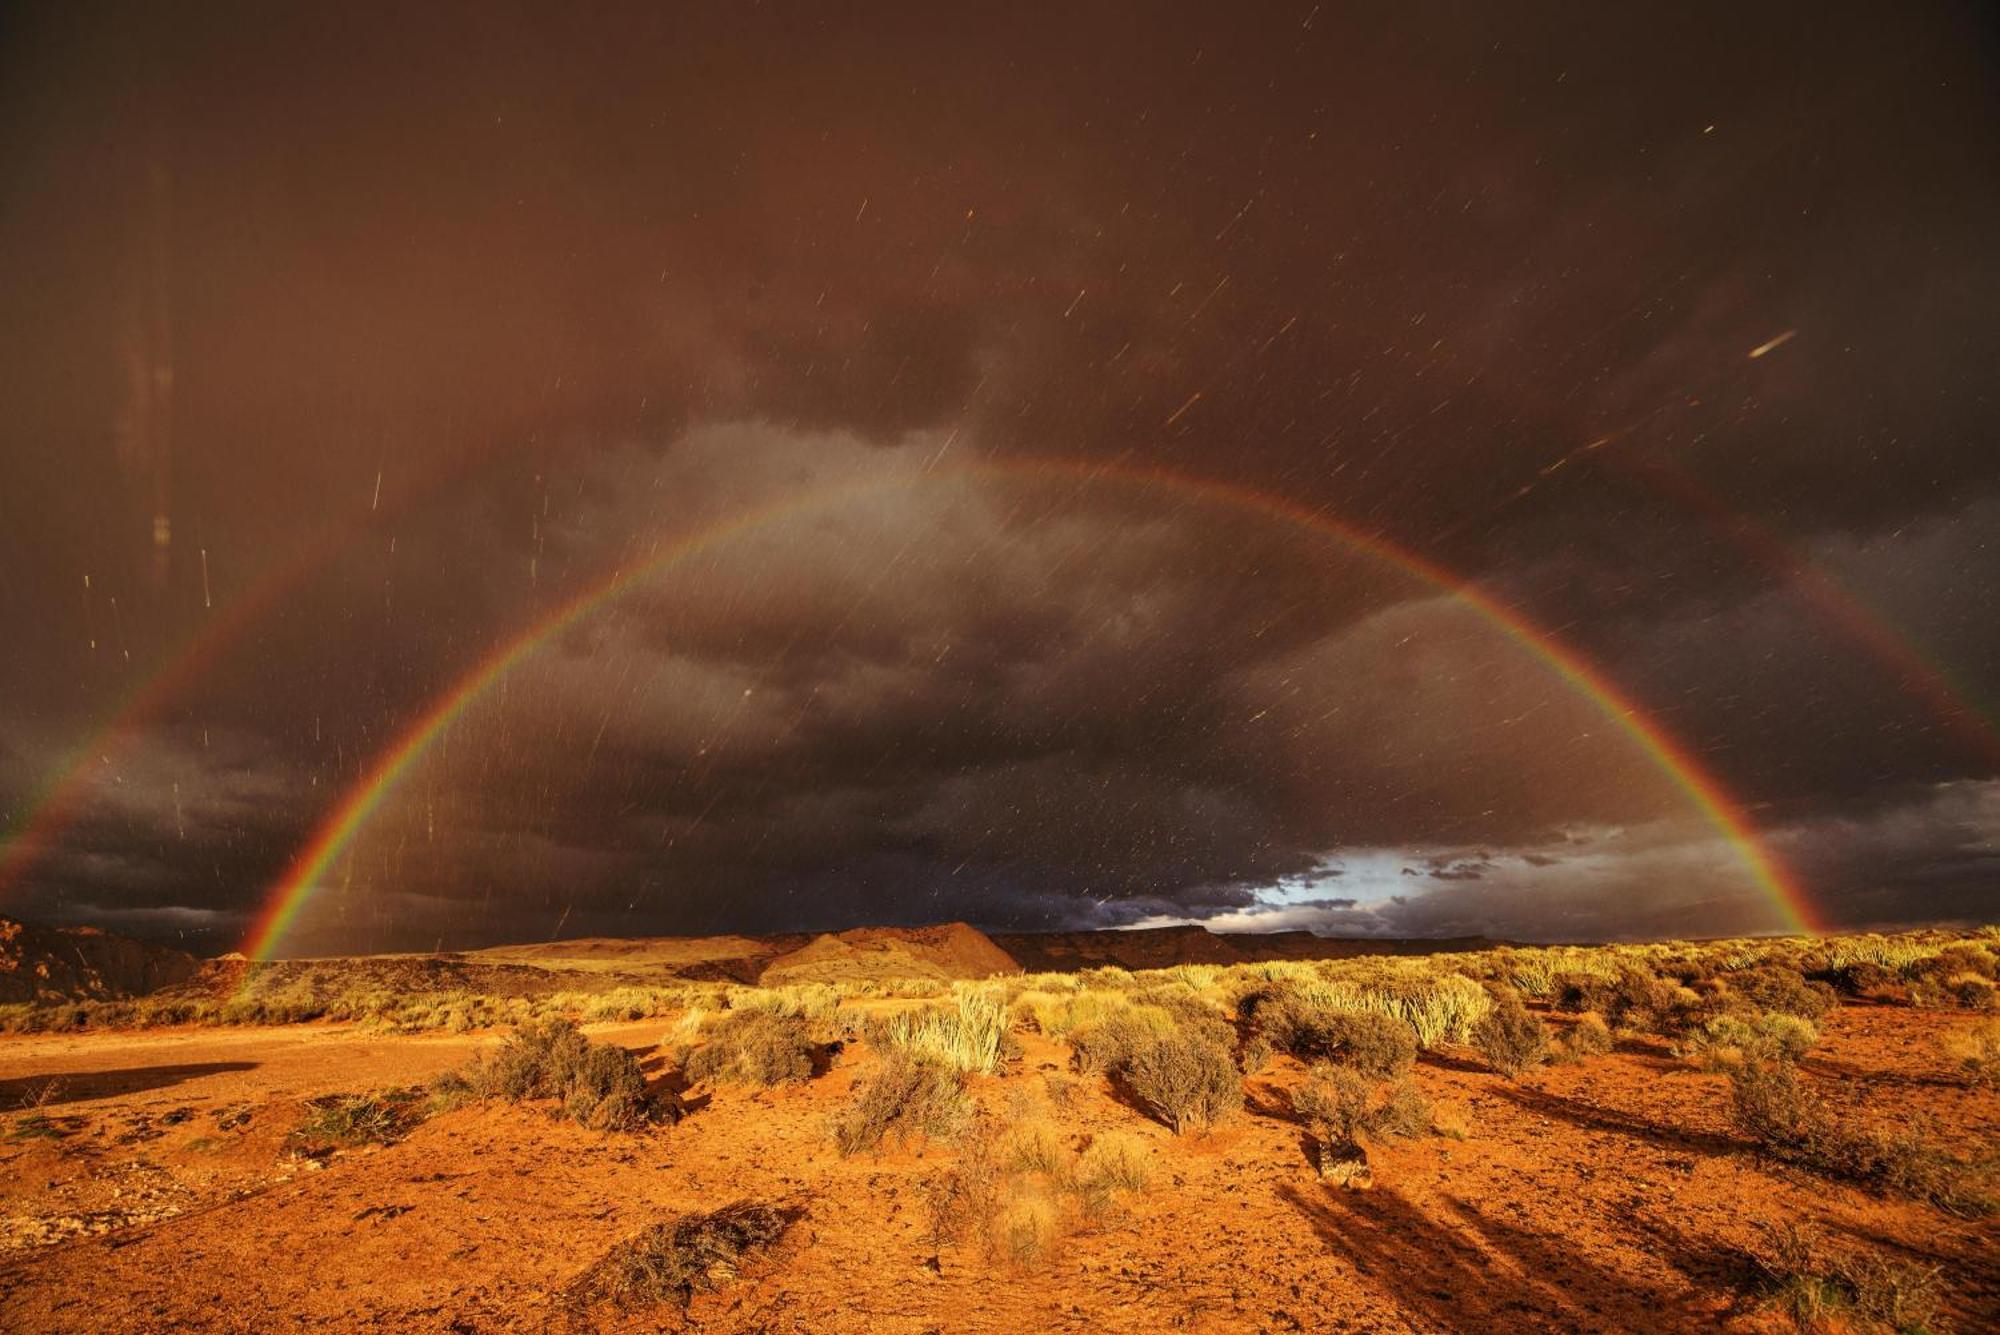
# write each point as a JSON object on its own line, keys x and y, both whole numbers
{"x": 57, "y": 805}
{"x": 1867, "y": 627}
{"x": 309, "y": 869}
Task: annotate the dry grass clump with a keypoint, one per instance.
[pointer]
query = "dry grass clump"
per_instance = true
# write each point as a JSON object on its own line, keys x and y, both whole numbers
{"x": 912, "y": 1095}
{"x": 1977, "y": 1052}
{"x": 598, "y": 1084}
{"x": 1510, "y": 1038}
{"x": 1793, "y": 1124}
{"x": 1116, "y": 1159}
{"x": 1021, "y": 1191}
{"x": 1817, "y": 1284}
{"x": 815, "y": 1003}
{"x": 757, "y": 1046}
{"x": 349, "y": 1120}
{"x": 673, "y": 1261}
{"x": 969, "y": 1036}
{"x": 1034, "y": 1145}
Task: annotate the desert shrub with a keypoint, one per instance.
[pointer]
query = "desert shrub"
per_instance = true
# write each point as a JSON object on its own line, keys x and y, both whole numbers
{"x": 1815, "y": 1283}
{"x": 348, "y": 1120}
{"x": 1110, "y": 1043}
{"x": 1727, "y": 1041}
{"x": 1588, "y": 1037}
{"x": 1956, "y": 961}
{"x": 1977, "y": 1052}
{"x": 1188, "y": 1011}
{"x": 1781, "y": 990}
{"x": 1338, "y": 1105}
{"x": 1290, "y": 1018}
{"x": 911, "y": 1095}
{"x": 1186, "y": 1079}
{"x": 1966, "y": 992}
{"x": 1403, "y": 1111}
{"x": 598, "y": 1084}
{"x": 1792, "y": 1124}
{"x": 1332, "y": 1104}
{"x": 1863, "y": 978}
{"x": 970, "y": 1035}
{"x": 1510, "y": 1038}
{"x": 671, "y": 1262}
{"x": 1116, "y": 1159}
{"x": 1633, "y": 998}
{"x": 755, "y": 1046}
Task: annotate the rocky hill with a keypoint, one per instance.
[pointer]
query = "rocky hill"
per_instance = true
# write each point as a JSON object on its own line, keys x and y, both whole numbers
{"x": 953, "y": 950}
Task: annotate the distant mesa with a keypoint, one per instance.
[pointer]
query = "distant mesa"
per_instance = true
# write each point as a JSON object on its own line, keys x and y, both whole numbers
{"x": 83, "y": 964}
{"x": 56, "y": 964}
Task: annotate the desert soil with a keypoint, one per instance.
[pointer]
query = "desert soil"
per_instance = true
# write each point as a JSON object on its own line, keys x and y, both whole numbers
{"x": 159, "y": 1195}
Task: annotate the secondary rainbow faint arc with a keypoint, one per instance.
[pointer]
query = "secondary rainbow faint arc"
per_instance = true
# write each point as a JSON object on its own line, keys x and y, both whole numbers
{"x": 295, "y": 890}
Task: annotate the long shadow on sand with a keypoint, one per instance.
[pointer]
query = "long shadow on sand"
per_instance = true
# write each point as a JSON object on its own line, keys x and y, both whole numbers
{"x": 44, "y": 1091}
{"x": 1483, "y": 1274}
{"x": 1611, "y": 1120}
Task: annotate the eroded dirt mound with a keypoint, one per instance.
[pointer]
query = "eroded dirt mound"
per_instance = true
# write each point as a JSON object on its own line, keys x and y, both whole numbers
{"x": 82, "y": 963}
{"x": 953, "y": 950}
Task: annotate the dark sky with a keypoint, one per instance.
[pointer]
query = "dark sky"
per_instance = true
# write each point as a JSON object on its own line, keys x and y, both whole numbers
{"x": 343, "y": 344}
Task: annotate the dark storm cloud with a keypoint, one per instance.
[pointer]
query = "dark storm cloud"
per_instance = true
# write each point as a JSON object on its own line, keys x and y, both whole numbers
{"x": 470, "y": 308}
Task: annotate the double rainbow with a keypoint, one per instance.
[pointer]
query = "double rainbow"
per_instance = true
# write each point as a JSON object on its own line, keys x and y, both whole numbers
{"x": 309, "y": 869}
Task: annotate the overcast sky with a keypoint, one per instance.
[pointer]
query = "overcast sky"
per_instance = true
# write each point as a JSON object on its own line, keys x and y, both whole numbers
{"x": 342, "y": 345}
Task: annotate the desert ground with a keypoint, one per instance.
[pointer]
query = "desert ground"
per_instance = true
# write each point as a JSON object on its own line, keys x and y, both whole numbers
{"x": 915, "y": 1150}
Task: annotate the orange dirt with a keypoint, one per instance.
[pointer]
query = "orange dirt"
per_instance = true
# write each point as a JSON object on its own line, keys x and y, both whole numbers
{"x": 1611, "y": 1195}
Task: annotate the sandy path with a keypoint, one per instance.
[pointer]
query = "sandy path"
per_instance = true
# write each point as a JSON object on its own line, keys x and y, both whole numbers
{"x": 176, "y": 1066}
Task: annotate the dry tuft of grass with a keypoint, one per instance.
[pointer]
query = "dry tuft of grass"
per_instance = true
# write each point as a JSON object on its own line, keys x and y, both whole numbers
{"x": 969, "y": 1036}
{"x": 1116, "y": 1159}
{"x": 1793, "y": 1124}
{"x": 1034, "y": 1146}
{"x": 911, "y": 1095}
{"x": 673, "y": 1261}
{"x": 1977, "y": 1052}
{"x": 346, "y": 1121}
{"x": 1817, "y": 1284}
